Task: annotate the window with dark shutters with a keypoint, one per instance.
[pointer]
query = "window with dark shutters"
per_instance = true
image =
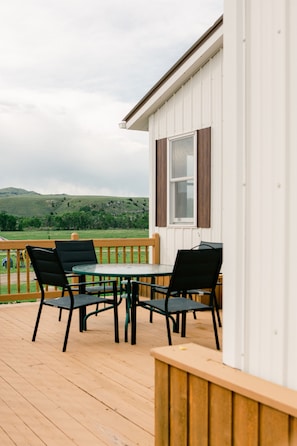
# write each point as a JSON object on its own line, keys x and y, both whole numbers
{"x": 203, "y": 180}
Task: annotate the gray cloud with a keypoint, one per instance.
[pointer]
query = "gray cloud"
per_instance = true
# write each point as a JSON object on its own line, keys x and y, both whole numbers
{"x": 69, "y": 71}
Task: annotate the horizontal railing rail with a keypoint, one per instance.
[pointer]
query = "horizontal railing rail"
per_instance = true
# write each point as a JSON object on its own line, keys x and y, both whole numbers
{"x": 17, "y": 279}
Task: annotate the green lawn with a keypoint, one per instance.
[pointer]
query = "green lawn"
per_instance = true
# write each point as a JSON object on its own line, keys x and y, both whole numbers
{"x": 86, "y": 234}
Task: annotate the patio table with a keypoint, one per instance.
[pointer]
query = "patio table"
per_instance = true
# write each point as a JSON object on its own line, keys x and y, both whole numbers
{"x": 127, "y": 272}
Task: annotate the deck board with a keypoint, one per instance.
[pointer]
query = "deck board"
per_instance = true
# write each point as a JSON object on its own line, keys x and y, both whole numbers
{"x": 97, "y": 393}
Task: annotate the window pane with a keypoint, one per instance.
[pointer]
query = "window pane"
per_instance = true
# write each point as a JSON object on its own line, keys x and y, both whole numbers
{"x": 182, "y": 163}
{"x": 182, "y": 197}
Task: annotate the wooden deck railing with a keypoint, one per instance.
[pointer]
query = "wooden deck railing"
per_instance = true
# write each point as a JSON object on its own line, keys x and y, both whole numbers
{"x": 17, "y": 278}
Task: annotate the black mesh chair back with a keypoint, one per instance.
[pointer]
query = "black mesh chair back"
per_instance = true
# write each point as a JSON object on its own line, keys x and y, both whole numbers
{"x": 195, "y": 269}
{"x": 75, "y": 252}
{"x": 50, "y": 271}
{"x": 80, "y": 252}
{"x": 210, "y": 245}
{"x": 47, "y": 267}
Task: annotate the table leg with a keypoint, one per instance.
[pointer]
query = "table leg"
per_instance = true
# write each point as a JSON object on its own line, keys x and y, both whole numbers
{"x": 82, "y": 310}
{"x": 133, "y": 316}
{"x": 128, "y": 307}
{"x": 153, "y": 281}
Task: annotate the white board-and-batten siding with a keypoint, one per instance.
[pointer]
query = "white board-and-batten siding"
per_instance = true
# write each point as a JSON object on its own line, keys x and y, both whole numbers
{"x": 260, "y": 184}
{"x": 196, "y": 105}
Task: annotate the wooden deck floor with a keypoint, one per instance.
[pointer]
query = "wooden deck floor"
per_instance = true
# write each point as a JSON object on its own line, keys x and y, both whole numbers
{"x": 97, "y": 393}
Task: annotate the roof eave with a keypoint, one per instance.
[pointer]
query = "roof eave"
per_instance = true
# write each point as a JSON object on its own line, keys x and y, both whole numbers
{"x": 202, "y": 50}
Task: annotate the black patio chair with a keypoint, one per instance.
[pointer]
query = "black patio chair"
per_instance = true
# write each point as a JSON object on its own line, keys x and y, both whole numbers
{"x": 80, "y": 252}
{"x": 50, "y": 272}
{"x": 193, "y": 269}
{"x": 200, "y": 292}
{"x": 208, "y": 245}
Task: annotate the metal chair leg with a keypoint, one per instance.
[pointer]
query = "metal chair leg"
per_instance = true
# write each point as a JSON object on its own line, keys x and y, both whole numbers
{"x": 67, "y": 331}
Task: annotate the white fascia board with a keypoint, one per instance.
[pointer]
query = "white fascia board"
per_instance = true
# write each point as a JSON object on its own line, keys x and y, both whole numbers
{"x": 139, "y": 120}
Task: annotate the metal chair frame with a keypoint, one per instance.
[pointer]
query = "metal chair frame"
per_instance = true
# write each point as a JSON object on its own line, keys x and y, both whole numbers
{"x": 193, "y": 270}
{"x": 50, "y": 272}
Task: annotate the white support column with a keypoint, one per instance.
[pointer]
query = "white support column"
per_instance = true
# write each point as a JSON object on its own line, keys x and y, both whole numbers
{"x": 233, "y": 185}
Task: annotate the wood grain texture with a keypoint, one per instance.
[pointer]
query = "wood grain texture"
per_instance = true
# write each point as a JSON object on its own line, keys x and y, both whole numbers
{"x": 97, "y": 393}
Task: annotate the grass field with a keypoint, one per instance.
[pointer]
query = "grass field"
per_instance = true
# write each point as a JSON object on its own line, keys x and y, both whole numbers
{"x": 87, "y": 234}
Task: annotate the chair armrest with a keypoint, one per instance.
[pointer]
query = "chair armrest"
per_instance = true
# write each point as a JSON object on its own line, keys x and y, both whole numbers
{"x": 200, "y": 292}
{"x": 154, "y": 288}
{"x": 152, "y": 285}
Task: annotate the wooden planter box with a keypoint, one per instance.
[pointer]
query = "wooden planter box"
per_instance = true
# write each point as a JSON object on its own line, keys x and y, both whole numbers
{"x": 200, "y": 401}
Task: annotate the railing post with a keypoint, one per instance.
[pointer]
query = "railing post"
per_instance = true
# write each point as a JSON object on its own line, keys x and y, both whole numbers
{"x": 156, "y": 248}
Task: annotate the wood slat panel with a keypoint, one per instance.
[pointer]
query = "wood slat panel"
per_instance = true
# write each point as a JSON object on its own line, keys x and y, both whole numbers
{"x": 293, "y": 431}
{"x": 245, "y": 421}
{"x": 273, "y": 427}
{"x": 161, "y": 403}
{"x": 178, "y": 407}
{"x": 220, "y": 416}
{"x": 198, "y": 411}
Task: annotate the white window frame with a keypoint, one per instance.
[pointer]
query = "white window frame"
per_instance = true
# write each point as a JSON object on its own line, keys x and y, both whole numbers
{"x": 182, "y": 221}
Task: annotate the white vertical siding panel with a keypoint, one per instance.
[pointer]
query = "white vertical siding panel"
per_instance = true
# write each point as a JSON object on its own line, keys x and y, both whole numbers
{"x": 197, "y": 101}
{"x": 290, "y": 357}
{"x": 182, "y": 238}
{"x": 170, "y": 115}
{"x": 265, "y": 181}
{"x": 216, "y": 144}
{"x": 234, "y": 188}
{"x": 258, "y": 166}
{"x": 266, "y": 73}
{"x": 169, "y": 243}
{"x": 187, "y": 107}
{"x": 279, "y": 54}
{"x": 206, "y": 95}
{"x": 178, "y": 112}
{"x": 161, "y": 121}
{"x": 188, "y": 238}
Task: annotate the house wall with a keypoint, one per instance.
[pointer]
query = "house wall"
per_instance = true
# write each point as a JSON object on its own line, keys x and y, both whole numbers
{"x": 259, "y": 184}
{"x": 197, "y": 104}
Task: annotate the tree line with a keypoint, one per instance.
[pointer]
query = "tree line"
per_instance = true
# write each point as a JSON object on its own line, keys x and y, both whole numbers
{"x": 78, "y": 220}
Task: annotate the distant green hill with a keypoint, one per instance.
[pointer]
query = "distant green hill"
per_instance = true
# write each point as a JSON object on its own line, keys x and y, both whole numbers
{"x": 23, "y": 203}
{"x": 12, "y": 191}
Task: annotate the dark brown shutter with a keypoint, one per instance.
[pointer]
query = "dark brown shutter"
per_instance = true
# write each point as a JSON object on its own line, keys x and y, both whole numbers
{"x": 203, "y": 177}
{"x": 161, "y": 182}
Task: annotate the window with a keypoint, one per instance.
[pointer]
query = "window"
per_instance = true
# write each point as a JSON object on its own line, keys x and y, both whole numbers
{"x": 181, "y": 180}
{"x": 186, "y": 184}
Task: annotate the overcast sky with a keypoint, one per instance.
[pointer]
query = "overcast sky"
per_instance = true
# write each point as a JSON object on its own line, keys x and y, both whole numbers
{"x": 70, "y": 70}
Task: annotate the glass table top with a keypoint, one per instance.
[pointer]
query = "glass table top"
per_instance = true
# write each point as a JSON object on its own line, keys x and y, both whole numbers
{"x": 124, "y": 269}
